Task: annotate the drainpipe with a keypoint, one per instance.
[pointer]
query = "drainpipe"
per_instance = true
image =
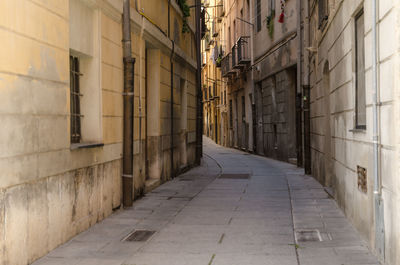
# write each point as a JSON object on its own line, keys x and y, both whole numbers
{"x": 379, "y": 222}
{"x": 306, "y": 100}
{"x": 199, "y": 110}
{"x": 253, "y": 103}
{"x": 375, "y": 103}
{"x": 172, "y": 87}
{"x": 129, "y": 62}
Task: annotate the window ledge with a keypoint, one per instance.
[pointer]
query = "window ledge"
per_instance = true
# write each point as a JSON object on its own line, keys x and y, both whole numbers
{"x": 85, "y": 145}
{"x": 357, "y": 130}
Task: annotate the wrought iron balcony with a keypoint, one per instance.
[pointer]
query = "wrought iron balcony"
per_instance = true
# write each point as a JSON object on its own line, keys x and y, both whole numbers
{"x": 243, "y": 50}
{"x": 235, "y": 64}
{"x": 226, "y": 65}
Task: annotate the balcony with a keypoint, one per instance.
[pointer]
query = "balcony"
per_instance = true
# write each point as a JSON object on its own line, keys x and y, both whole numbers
{"x": 234, "y": 58}
{"x": 214, "y": 29}
{"x": 220, "y": 10}
{"x": 226, "y": 65}
{"x": 243, "y": 51}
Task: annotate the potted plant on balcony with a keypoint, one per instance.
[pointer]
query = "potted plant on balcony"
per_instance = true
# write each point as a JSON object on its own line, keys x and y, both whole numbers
{"x": 218, "y": 61}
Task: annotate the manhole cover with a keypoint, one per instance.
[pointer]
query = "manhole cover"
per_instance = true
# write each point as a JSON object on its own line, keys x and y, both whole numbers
{"x": 139, "y": 235}
{"x": 308, "y": 236}
{"x": 234, "y": 176}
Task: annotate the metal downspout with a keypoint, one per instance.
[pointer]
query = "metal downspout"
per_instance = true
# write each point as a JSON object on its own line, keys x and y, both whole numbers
{"x": 129, "y": 62}
{"x": 379, "y": 222}
{"x": 199, "y": 110}
{"x": 253, "y": 103}
{"x": 172, "y": 88}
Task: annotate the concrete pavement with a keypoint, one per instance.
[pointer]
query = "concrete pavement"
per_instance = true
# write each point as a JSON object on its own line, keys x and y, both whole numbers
{"x": 234, "y": 209}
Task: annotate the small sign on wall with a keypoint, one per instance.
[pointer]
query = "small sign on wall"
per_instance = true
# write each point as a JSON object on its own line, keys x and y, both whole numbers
{"x": 362, "y": 179}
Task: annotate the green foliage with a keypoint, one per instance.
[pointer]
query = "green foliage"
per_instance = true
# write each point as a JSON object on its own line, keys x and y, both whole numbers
{"x": 270, "y": 23}
{"x": 186, "y": 13}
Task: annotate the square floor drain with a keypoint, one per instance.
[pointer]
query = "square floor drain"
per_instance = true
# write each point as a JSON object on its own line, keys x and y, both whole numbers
{"x": 234, "y": 176}
{"x": 139, "y": 236}
{"x": 308, "y": 236}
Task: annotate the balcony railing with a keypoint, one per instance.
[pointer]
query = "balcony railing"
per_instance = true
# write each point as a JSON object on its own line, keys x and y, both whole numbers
{"x": 234, "y": 57}
{"x": 214, "y": 29}
{"x": 243, "y": 50}
{"x": 226, "y": 65}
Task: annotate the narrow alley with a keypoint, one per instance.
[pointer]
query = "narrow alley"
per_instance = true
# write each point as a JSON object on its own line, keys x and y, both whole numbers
{"x": 235, "y": 208}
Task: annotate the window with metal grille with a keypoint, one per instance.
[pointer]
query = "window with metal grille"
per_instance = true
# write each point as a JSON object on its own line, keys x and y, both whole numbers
{"x": 323, "y": 13}
{"x": 361, "y": 119}
{"x": 258, "y": 14}
{"x": 75, "y": 100}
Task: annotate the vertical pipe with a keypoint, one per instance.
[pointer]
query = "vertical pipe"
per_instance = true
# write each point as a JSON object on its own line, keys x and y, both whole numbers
{"x": 253, "y": 103}
{"x": 375, "y": 101}
{"x": 127, "y": 174}
{"x": 172, "y": 88}
{"x": 199, "y": 110}
{"x": 378, "y": 201}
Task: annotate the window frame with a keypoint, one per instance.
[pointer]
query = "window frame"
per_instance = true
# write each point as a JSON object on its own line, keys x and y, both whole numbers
{"x": 75, "y": 100}
{"x": 258, "y": 16}
{"x": 359, "y": 126}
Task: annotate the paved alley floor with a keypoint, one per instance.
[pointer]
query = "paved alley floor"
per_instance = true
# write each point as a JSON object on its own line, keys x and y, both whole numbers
{"x": 235, "y": 208}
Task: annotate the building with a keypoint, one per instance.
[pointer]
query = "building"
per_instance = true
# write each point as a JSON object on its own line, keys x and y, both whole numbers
{"x": 278, "y": 125}
{"x": 214, "y": 87}
{"x": 261, "y": 71}
{"x": 339, "y": 48}
{"x": 62, "y": 114}
{"x": 236, "y": 70}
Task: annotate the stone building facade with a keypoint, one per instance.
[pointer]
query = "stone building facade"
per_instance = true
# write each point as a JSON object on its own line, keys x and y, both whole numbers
{"x": 61, "y": 109}
{"x": 214, "y": 88}
{"x": 276, "y": 43}
{"x": 338, "y": 67}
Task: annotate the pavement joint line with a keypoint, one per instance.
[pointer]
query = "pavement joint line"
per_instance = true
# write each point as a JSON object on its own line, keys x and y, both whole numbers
{"x": 293, "y": 228}
{"x": 221, "y": 239}
{"x": 211, "y": 260}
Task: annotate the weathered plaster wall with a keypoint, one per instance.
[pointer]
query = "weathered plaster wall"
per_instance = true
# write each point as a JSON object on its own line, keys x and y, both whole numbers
{"x": 50, "y": 190}
{"x": 350, "y": 148}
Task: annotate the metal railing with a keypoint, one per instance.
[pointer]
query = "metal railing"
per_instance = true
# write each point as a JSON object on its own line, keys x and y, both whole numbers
{"x": 226, "y": 65}
{"x": 234, "y": 56}
{"x": 243, "y": 50}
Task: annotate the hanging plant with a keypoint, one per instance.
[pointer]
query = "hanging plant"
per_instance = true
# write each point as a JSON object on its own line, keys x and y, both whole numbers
{"x": 186, "y": 13}
{"x": 270, "y": 23}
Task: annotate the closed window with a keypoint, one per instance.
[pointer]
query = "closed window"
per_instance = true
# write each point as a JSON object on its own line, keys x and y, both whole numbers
{"x": 258, "y": 14}
{"x": 230, "y": 114}
{"x": 361, "y": 120}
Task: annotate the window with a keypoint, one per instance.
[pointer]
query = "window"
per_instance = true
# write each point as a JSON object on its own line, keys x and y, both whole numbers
{"x": 360, "y": 72}
{"x": 85, "y": 76}
{"x": 225, "y": 97}
{"x": 215, "y": 89}
{"x": 230, "y": 114}
{"x": 258, "y": 15}
{"x": 209, "y": 92}
{"x": 243, "y": 109}
{"x": 323, "y": 13}
{"x": 75, "y": 100}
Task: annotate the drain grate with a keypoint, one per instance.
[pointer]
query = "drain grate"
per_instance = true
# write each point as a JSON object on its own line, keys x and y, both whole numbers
{"x": 186, "y": 179}
{"x": 182, "y": 198}
{"x": 234, "y": 176}
{"x": 139, "y": 235}
{"x": 308, "y": 236}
